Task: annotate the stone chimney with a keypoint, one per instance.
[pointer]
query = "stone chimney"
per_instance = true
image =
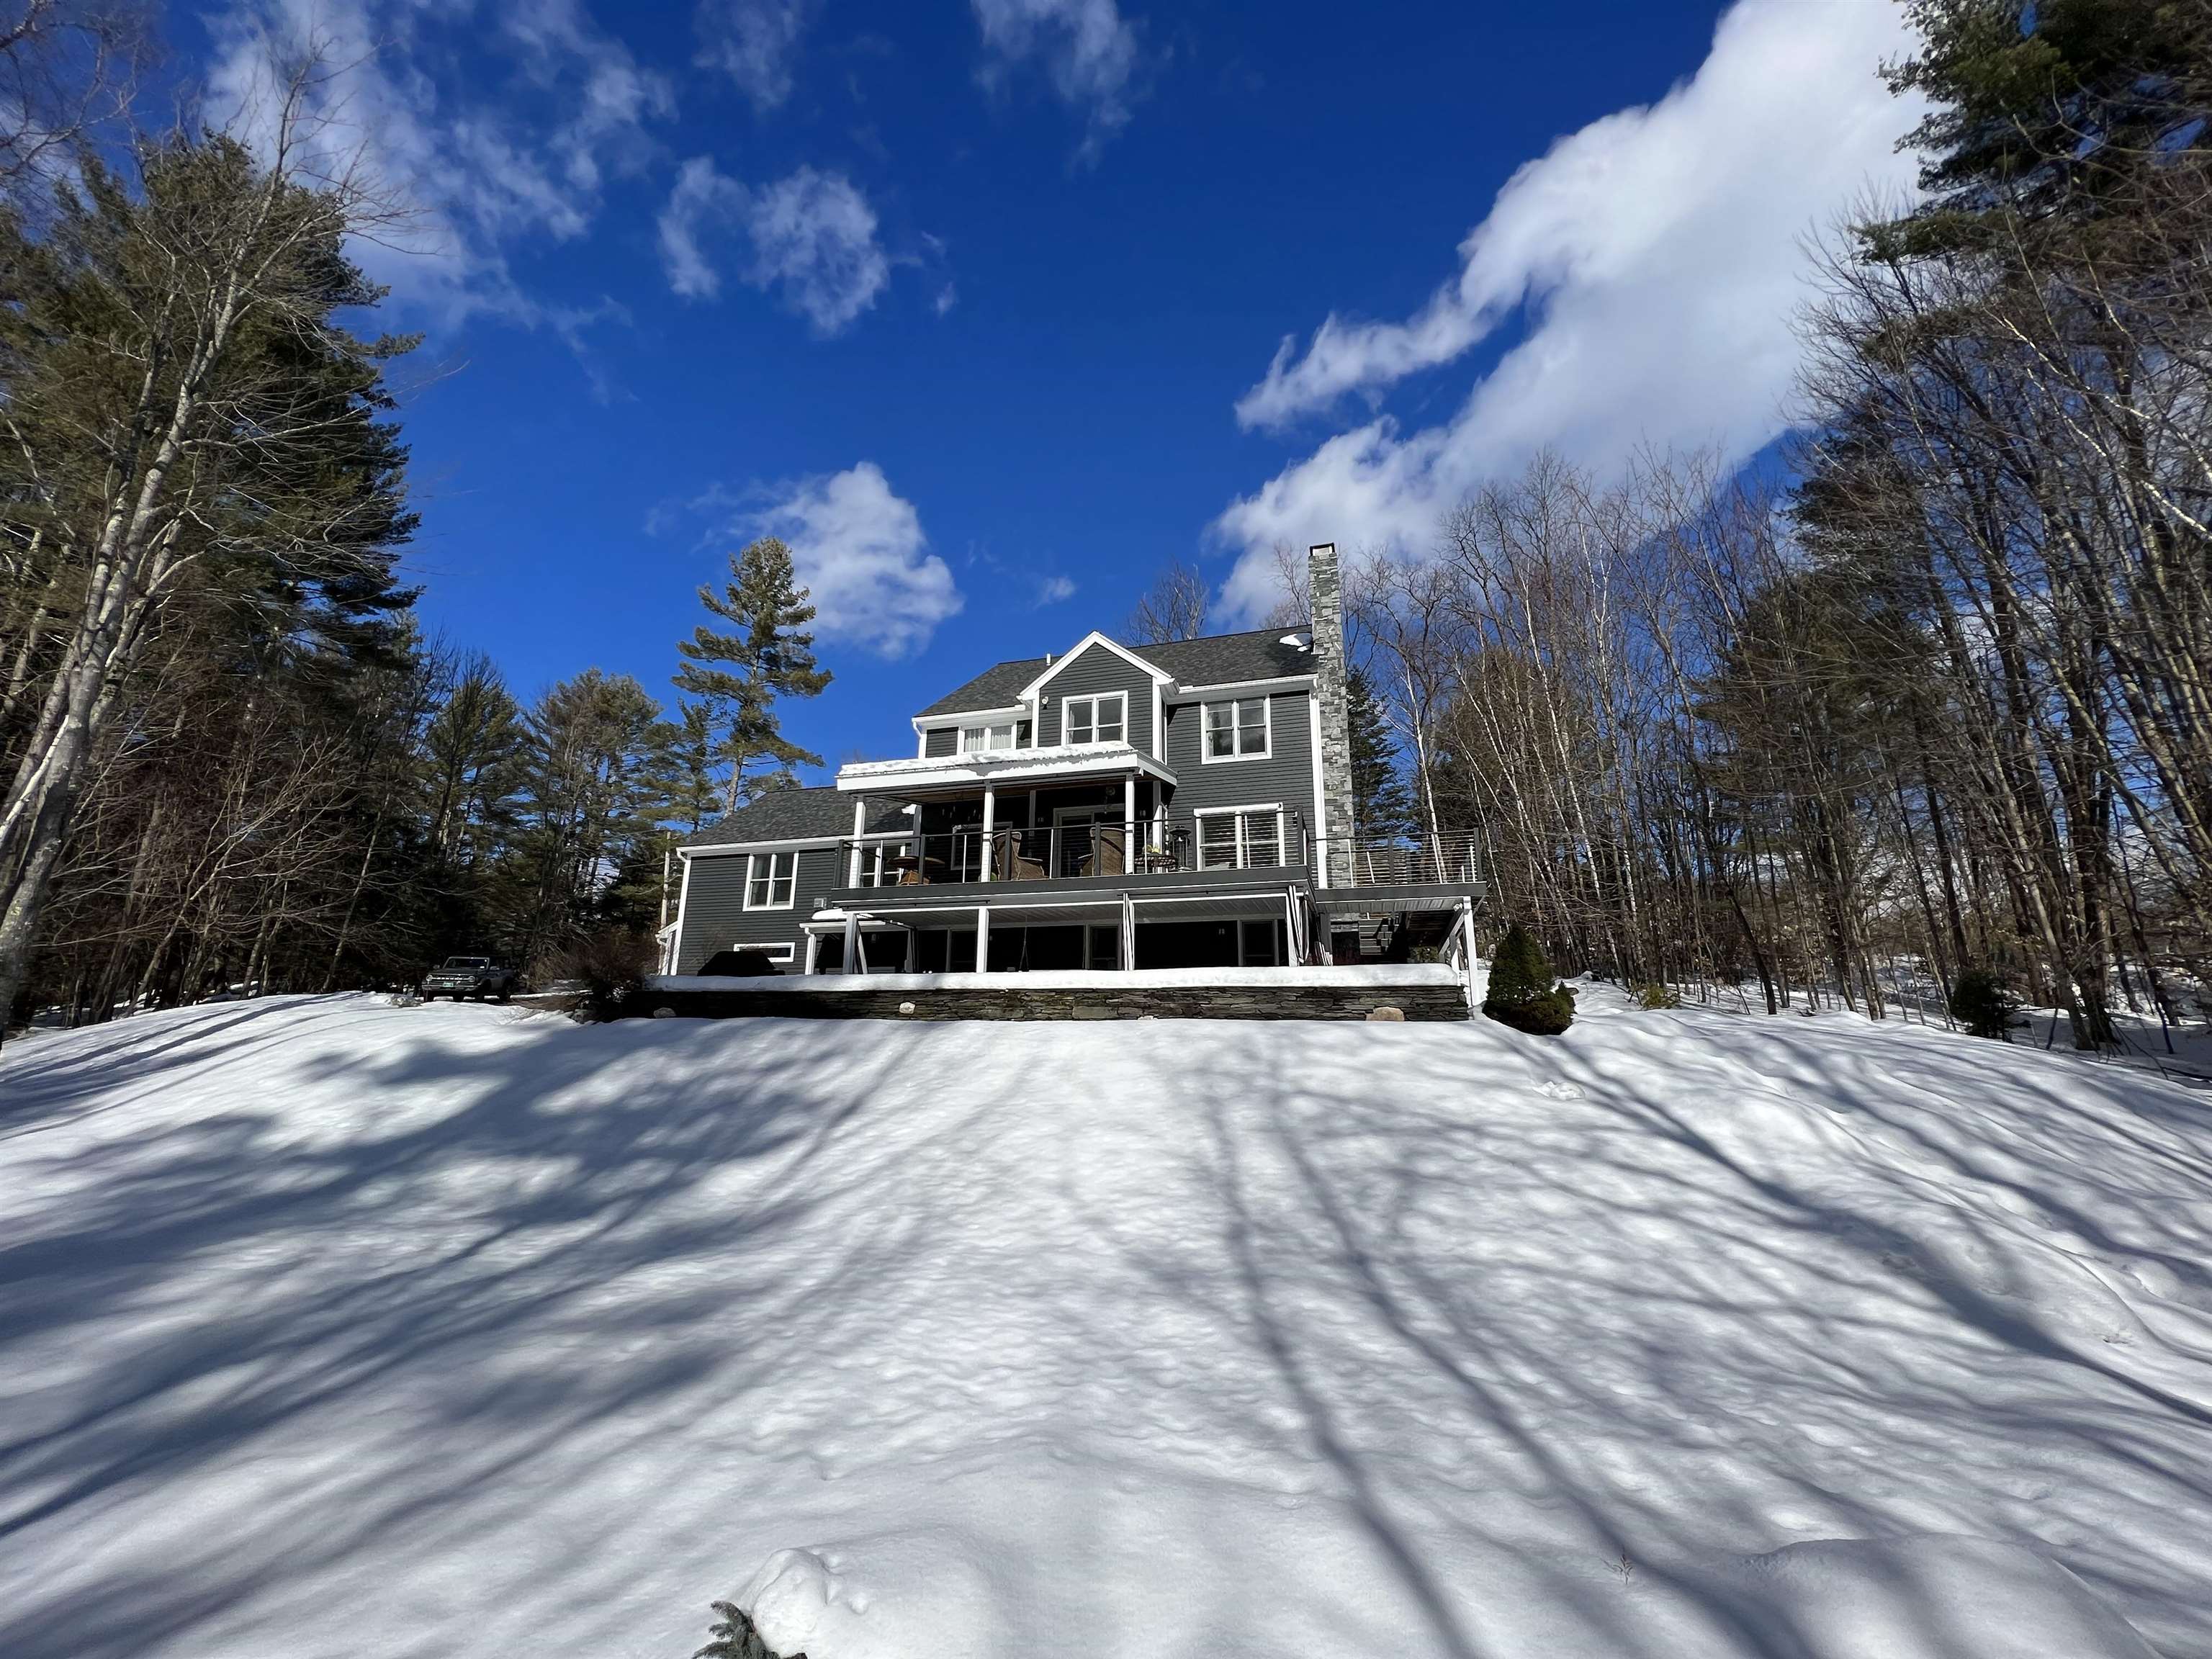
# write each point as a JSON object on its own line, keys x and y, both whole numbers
{"x": 1326, "y": 589}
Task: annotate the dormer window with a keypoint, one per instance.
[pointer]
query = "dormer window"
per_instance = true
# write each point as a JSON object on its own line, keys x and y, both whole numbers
{"x": 1101, "y": 719}
{"x": 985, "y": 739}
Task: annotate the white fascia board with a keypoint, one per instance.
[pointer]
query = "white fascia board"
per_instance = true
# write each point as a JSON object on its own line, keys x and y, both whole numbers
{"x": 1159, "y": 676}
{"x": 1228, "y": 688}
{"x": 1000, "y": 766}
{"x": 970, "y": 717}
{"x": 803, "y": 844}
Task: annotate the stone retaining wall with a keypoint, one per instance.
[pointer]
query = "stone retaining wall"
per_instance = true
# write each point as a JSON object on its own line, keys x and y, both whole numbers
{"x": 1418, "y": 1002}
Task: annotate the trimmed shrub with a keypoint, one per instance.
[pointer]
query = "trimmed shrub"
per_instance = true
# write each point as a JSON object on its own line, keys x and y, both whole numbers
{"x": 1543, "y": 1016}
{"x": 1983, "y": 1003}
{"x": 608, "y": 969}
{"x": 1523, "y": 992}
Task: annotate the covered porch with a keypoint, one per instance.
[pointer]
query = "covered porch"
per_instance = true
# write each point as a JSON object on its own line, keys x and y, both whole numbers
{"x": 1056, "y": 814}
{"x": 1095, "y": 924}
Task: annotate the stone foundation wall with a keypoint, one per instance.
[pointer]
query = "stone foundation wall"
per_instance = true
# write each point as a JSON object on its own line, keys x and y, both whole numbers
{"x": 1418, "y": 1002}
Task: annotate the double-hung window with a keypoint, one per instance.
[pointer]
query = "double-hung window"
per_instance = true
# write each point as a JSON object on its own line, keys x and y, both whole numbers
{"x": 771, "y": 881}
{"x": 1238, "y": 730}
{"x": 1101, "y": 719}
{"x": 1250, "y": 838}
{"x": 982, "y": 740}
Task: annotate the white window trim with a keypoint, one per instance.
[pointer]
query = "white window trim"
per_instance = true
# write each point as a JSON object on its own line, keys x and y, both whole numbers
{"x": 791, "y": 903}
{"x": 1205, "y": 754}
{"x": 1239, "y": 813}
{"x": 783, "y": 954}
{"x": 1012, "y": 728}
{"x": 1095, "y": 698}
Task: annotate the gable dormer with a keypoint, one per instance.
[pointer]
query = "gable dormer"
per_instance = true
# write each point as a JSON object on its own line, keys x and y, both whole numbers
{"x": 1099, "y": 692}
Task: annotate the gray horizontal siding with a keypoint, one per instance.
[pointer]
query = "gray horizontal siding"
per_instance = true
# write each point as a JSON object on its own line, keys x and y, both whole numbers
{"x": 1094, "y": 670}
{"x": 942, "y": 740}
{"x": 715, "y": 913}
{"x": 1286, "y": 775}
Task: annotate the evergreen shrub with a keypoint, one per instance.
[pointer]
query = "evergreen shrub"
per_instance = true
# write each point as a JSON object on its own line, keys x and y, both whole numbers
{"x": 1523, "y": 992}
{"x": 1657, "y": 993}
{"x": 1983, "y": 1003}
{"x": 735, "y": 1637}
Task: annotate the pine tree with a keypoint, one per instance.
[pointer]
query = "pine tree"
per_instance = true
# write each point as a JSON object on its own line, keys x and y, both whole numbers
{"x": 1382, "y": 809}
{"x": 767, "y": 652}
{"x": 686, "y": 766}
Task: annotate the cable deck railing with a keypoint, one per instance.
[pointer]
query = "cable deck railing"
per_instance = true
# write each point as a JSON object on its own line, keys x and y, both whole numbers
{"x": 1448, "y": 859}
{"x": 1075, "y": 849}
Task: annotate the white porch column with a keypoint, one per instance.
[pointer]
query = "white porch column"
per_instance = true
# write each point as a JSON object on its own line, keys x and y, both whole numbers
{"x": 859, "y": 829}
{"x": 813, "y": 952}
{"x": 1128, "y": 814}
{"x": 982, "y": 939}
{"x": 912, "y": 944}
{"x": 851, "y": 963}
{"x": 1128, "y": 932}
{"x": 990, "y": 813}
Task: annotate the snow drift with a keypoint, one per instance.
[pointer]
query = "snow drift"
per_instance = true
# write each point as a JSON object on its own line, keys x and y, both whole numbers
{"x": 332, "y": 1328}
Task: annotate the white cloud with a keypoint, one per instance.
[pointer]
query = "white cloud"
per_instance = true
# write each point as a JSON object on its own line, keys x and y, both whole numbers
{"x": 1088, "y": 49}
{"x": 1659, "y": 254}
{"x": 754, "y": 43}
{"x": 860, "y": 549}
{"x": 812, "y": 238}
{"x": 702, "y": 198}
{"x": 475, "y": 164}
{"x": 1055, "y": 590}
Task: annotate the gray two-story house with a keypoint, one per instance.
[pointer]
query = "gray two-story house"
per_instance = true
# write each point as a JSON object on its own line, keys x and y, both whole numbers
{"x": 1180, "y": 805}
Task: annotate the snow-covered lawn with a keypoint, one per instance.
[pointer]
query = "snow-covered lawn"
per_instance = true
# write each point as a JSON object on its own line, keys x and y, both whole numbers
{"x": 332, "y": 1329}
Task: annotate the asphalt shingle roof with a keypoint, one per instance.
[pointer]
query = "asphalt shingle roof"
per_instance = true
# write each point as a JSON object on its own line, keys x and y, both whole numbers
{"x": 995, "y": 688}
{"x": 795, "y": 815}
{"x": 1218, "y": 659}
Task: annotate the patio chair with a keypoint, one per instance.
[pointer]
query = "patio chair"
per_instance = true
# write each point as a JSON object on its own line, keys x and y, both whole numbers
{"x": 1110, "y": 851}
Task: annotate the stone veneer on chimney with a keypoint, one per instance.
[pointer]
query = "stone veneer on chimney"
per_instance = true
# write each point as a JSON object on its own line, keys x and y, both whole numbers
{"x": 1325, "y": 589}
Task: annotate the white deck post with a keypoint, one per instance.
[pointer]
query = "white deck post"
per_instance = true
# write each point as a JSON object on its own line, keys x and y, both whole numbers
{"x": 813, "y": 952}
{"x": 852, "y": 944}
{"x": 990, "y": 813}
{"x": 1128, "y": 932}
{"x": 982, "y": 939}
{"x": 859, "y": 828}
{"x": 913, "y": 945}
{"x": 1467, "y": 948}
{"x": 1128, "y": 818}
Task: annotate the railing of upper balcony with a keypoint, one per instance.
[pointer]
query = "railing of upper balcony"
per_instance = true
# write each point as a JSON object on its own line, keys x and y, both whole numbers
{"x": 1453, "y": 857}
{"x": 1073, "y": 849}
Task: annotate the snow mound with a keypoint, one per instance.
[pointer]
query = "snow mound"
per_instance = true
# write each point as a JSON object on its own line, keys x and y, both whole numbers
{"x": 327, "y": 1326}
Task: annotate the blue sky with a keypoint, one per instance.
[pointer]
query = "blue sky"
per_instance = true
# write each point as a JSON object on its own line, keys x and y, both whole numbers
{"x": 993, "y": 306}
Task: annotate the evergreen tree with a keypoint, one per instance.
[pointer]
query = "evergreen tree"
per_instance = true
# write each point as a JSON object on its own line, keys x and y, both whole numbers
{"x": 1382, "y": 810}
{"x": 767, "y": 652}
{"x": 1522, "y": 993}
{"x": 590, "y": 799}
{"x": 692, "y": 793}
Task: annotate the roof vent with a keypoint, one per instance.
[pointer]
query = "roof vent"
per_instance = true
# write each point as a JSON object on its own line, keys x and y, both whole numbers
{"x": 1297, "y": 639}
{"x": 1048, "y": 659}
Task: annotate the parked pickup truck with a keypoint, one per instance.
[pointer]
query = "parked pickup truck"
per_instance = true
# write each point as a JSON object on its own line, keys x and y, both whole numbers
{"x": 470, "y": 977}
